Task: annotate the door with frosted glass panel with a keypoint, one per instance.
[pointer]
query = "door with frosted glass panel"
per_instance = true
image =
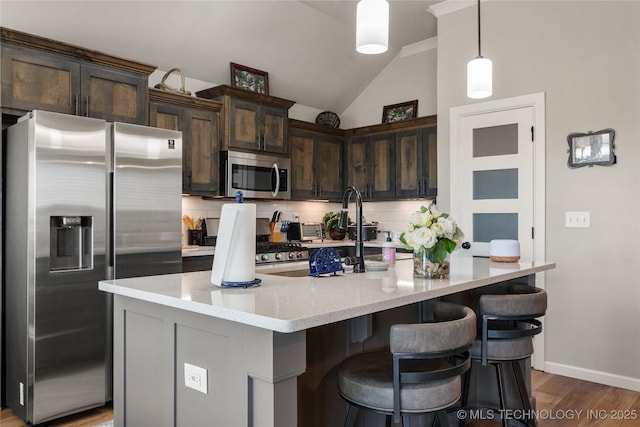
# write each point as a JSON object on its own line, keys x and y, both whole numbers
{"x": 492, "y": 179}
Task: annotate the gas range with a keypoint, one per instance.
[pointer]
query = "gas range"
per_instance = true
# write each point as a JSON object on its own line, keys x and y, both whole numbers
{"x": 280, "y": 252}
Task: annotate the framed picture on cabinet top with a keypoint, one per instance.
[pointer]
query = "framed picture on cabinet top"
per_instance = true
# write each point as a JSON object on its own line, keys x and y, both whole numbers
{"x": 401, "y": 111}
{"x": 248, "y": 78}
{"x": 591, "y": 148}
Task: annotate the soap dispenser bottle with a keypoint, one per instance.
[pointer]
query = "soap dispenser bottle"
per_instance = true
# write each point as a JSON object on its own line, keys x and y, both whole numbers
{"x": 388, "y": 250}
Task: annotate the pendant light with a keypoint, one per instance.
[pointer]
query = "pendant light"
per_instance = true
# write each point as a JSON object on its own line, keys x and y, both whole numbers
{"x": 479, "y": 72}
{"x": 372, "y": 26}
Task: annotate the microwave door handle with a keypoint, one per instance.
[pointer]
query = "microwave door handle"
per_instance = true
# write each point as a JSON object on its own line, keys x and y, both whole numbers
{"x": 274, "y": 193}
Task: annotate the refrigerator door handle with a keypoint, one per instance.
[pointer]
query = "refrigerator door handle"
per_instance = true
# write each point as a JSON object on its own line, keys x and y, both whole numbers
{"x": 109, "y": 241}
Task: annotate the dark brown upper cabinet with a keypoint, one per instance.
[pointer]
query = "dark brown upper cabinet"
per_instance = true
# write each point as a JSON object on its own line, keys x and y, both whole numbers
{"x": 43, "y": 74}
{"x": 198, "y": 119}
{"x": 252, "y": 121}
{"x": 416, "y": 163}
{"x": 316, "y": 161}
{"x": 371, "y": 166}
{"x": 393, "y": 160}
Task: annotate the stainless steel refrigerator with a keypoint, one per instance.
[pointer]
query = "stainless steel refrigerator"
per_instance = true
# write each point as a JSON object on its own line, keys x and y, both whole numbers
{"x": 85, "y": 200}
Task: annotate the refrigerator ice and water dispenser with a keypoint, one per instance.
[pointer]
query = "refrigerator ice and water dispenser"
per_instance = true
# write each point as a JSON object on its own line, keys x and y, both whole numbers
{"x": 71, "y": 240}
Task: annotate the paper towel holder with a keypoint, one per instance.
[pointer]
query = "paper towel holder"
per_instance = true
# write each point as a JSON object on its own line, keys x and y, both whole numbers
{"x": 253, "y": 283}
{"x": 227, "y": 264}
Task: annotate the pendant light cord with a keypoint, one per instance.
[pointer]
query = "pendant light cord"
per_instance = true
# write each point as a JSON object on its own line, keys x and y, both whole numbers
{"x": 479, "y": 43}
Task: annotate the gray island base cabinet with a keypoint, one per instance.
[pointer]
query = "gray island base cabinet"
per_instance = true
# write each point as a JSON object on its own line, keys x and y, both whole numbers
{"x": 251, "y": 372}
{"x": 270, "y": 352}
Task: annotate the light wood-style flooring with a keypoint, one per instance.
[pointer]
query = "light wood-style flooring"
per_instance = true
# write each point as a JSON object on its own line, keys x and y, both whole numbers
{"x": 561, "y": 402}
{"x": 567, "y": 402}
{"x": 88, "y": 418}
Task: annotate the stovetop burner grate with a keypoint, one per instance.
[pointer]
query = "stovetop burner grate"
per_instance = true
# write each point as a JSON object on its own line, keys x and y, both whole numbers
{"x": 266, "y": 247}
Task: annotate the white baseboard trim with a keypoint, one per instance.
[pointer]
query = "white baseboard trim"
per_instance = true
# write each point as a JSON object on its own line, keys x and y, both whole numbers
{"x": 593, "y": 376}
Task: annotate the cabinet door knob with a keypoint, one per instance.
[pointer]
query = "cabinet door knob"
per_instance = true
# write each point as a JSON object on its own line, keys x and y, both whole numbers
{"x": 466, "y": 245}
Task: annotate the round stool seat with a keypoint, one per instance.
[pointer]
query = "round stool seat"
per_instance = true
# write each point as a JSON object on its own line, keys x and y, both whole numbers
{"x": 367, "y": 379}
{"x": 507, "y": 323}
{"x": 507, "y": 349}
{"x": 527, "y": 300}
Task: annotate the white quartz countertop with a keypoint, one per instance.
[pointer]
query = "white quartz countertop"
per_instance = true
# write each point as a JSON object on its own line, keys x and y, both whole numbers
{"x": 290, "y": 304}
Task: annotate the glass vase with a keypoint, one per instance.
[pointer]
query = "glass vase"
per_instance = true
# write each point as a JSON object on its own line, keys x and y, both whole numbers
{"x": 426, "y": 268}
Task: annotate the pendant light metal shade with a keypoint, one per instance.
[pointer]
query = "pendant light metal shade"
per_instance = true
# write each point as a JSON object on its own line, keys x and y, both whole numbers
{"x": 372, "y": 26}
{"x": 479, "y": 72}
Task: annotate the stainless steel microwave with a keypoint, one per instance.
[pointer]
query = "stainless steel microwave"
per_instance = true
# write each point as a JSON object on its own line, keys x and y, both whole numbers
{"x": 257, "y": 175}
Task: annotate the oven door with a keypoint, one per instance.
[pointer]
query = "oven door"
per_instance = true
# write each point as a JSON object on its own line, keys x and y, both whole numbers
{"x": 256, "y": 175}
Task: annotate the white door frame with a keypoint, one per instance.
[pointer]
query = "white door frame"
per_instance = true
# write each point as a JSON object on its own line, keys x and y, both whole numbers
{"x": 537, "y": 101}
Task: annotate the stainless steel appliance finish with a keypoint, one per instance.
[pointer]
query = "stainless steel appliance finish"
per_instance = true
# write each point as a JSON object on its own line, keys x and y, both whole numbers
{"x": 2, "y": 349}
{"x": 56, "y": 319}
{"x": 369, "y": 232}
{"x": 280, "y": 252}
{"x": 146, "y": 173}
{"x": 306, "y": 231}
{"x": 256, "y": 175}
{"x": 58, "y": 323}
{"x": 263, "y": 229}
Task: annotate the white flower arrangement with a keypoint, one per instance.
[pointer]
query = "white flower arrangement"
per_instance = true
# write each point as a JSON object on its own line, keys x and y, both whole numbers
{"x": 434, "y": 232}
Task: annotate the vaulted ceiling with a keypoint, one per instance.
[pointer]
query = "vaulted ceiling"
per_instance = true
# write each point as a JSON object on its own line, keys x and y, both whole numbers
{"x": 307, "y": 47}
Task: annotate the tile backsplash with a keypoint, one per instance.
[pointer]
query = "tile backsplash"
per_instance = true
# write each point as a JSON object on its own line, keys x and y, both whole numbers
{"x": 390, "y": 215}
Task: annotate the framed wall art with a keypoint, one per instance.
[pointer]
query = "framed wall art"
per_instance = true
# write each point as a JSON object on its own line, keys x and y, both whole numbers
{"x": 402, "y": 111}
{"x": 591, "y": 148}
{"x": 248, "y": 78}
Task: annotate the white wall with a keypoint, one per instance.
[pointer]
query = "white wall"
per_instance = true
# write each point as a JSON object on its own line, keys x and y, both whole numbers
{"x": 411, "y": 75}
{"x": 586, "y": 57}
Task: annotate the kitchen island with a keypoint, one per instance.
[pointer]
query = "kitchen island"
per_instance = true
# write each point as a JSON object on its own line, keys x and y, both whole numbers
{"x": 252, "y": 343}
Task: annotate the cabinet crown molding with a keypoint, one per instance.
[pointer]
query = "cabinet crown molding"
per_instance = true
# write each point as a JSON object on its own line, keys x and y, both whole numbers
{"x": 157, "y": 95}
{"x": 32, "y": 41}
{"x": 221, "y": 90}
{"x": 418, "y": 122}
{"x": 299, "y": 124}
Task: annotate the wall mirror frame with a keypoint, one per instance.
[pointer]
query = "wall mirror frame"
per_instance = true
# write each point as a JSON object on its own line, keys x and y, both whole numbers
{"x": 591, "y": 148}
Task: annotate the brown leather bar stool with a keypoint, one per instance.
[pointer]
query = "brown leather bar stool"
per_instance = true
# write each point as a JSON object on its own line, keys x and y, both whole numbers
{"x": 507, "y": 324}
{"x": 420, "y": 374}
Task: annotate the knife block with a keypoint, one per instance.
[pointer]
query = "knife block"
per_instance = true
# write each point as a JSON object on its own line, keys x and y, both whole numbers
{"x": 276, "y": 235}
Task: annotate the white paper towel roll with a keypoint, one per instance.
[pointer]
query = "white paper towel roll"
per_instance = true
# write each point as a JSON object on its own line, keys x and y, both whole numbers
{"x": 234, "y": 260}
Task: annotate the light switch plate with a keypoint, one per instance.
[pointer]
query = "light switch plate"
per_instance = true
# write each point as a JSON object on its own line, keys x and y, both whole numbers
{"x": 577, "y": 219}
{"x": 195, "y": 377}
